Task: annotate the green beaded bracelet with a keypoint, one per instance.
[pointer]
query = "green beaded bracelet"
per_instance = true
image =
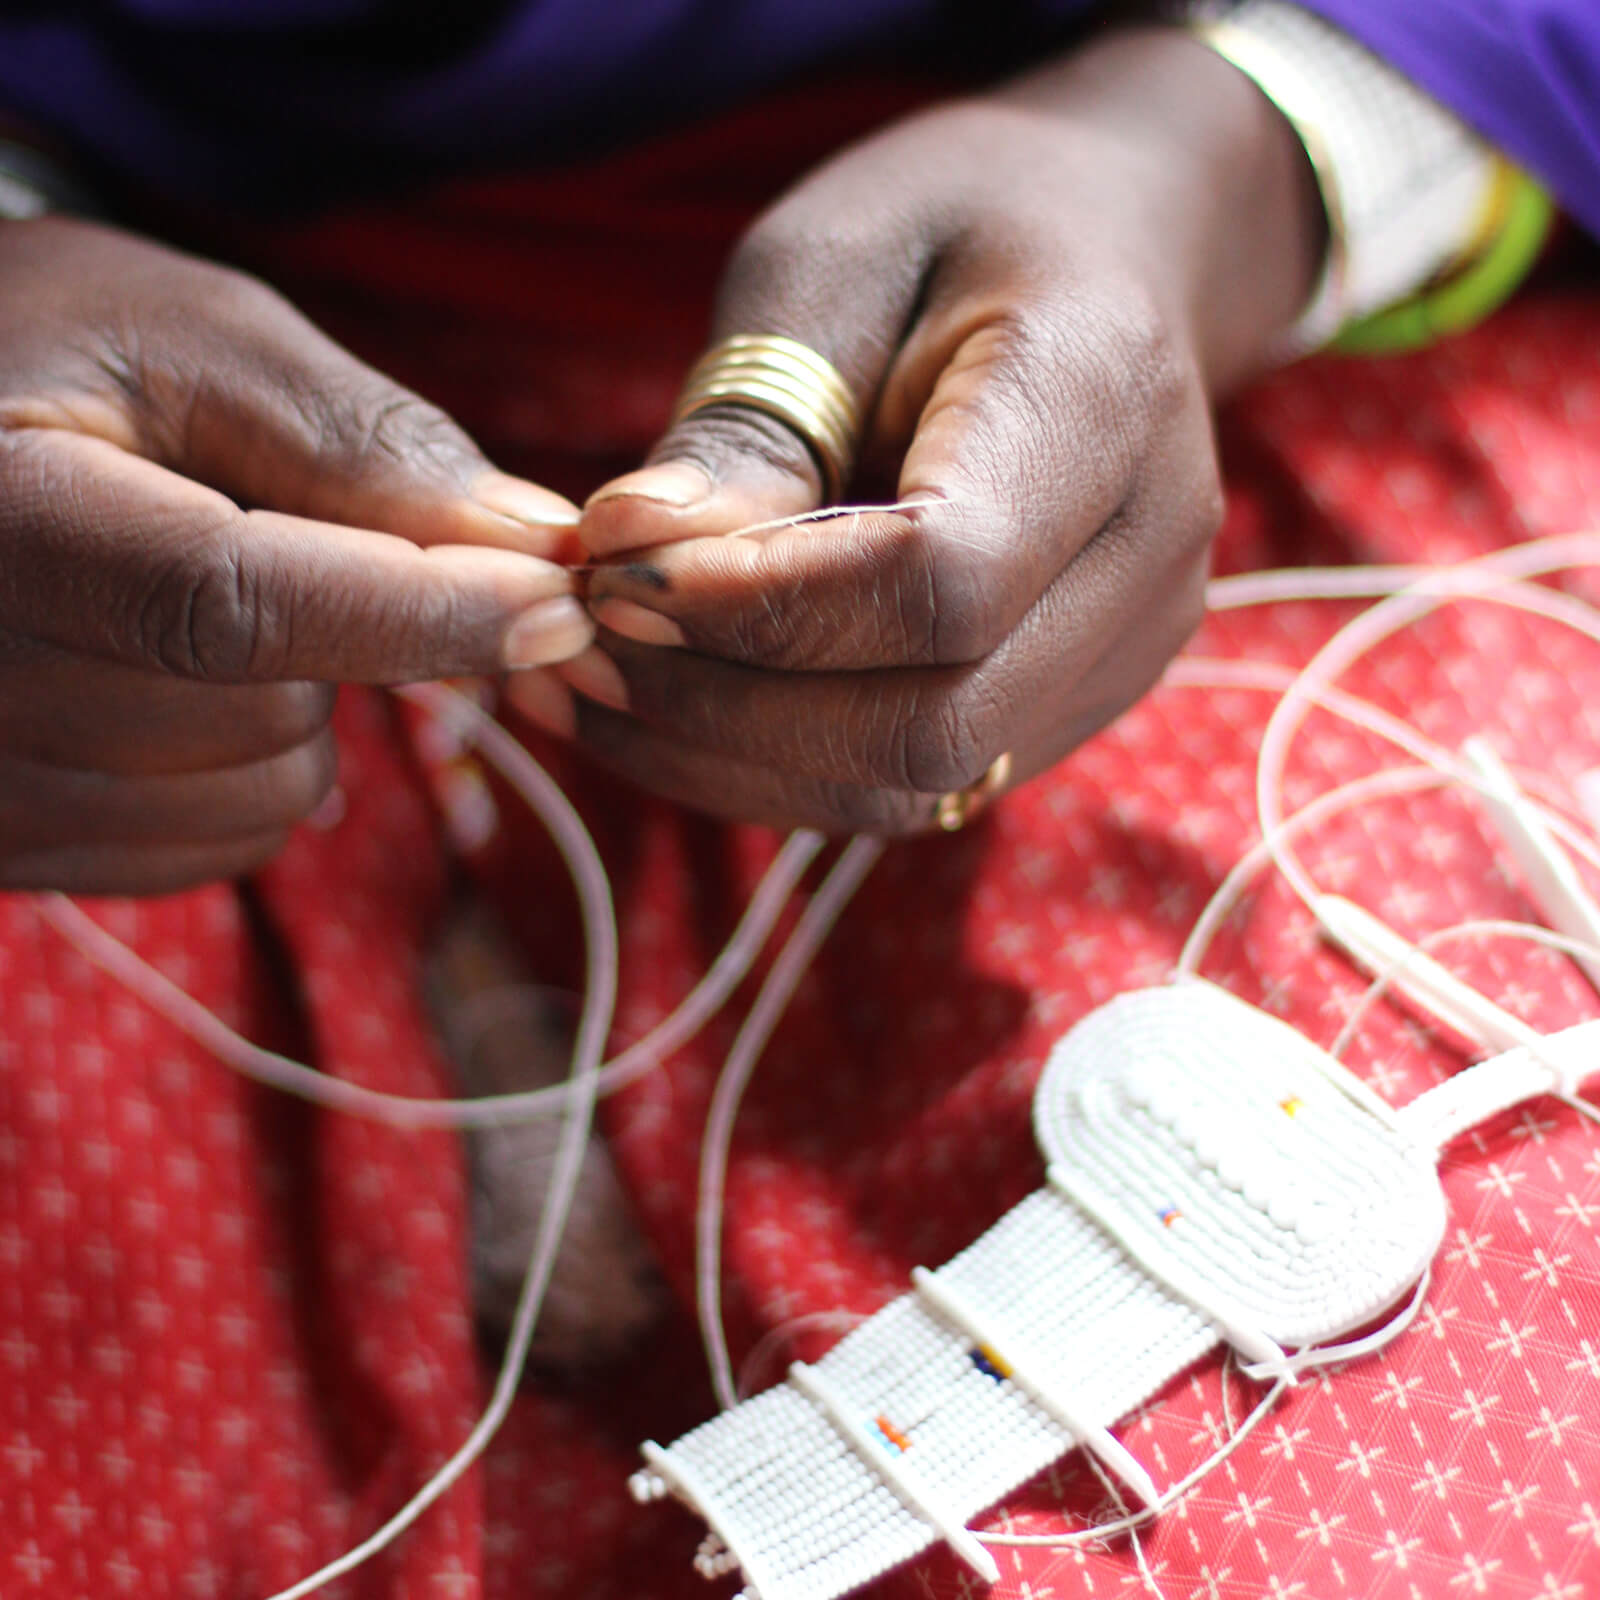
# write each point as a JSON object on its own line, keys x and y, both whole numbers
{"x": 1466, "y": 299}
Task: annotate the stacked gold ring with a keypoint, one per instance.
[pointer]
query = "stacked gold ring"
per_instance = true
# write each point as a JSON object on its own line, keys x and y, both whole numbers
{"x": 953, "y": 811}
{"x": 786, "y": 380}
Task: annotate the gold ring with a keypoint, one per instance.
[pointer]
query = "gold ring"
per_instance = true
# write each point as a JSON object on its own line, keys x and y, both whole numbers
{"x": 786, "y": 380}
{"x": 957, "y": 808}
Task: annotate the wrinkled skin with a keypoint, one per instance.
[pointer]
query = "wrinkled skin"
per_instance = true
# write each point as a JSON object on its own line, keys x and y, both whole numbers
{"x": 166, "y": 657}
{"x": 210, "y": 514}
{"x": 1037, "y": 297}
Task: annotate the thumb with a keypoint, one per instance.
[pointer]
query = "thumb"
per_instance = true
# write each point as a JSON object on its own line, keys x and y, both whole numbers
{"x": 290, "y": 421}
{"x": 114, "y": 556}
{"x": 731, "y": 465}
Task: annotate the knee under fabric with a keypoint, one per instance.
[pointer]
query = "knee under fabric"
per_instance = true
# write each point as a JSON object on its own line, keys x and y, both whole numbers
{"x": 1213, "y": 1178}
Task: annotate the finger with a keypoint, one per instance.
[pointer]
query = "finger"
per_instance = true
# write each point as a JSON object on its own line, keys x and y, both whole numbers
{"x": 139, "y": 870}
{"x": 845, "y": 292}
{"x": 79, "y": 712}
{"x": 117, "y": 557}
{"x": 48, "y": 808}
{"x": 717, "y": 785}
{"x": 1076, "y": 660}
{"x": 271, "y": 411}
{"x": 738, "y": 787}
{"x": 1019, "y": 460}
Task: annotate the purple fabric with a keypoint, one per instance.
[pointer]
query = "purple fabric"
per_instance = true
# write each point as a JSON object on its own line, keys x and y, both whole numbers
{"x": 1525, "y": 73}
{"x": 273, "y": 102}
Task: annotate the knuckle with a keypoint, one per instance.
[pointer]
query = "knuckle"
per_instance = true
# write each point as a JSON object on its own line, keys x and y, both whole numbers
{"x": 792, "y": 257}
{"x": 943, "y": 746}
{"x": 1160, "y": 374}
{"x": 206, "y": 614}
{"x": 764, "y": 629}
{"x": 375, "y": 422}
{"x": 966, "y": 599}
{"x": 1208, "y": 507}
{"x": 229, "y": 298}
{"x": 1187, "y": 609}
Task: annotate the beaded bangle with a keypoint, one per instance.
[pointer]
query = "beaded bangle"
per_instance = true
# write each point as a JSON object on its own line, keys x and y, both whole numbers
{"x": 1429, "y": 228}
{"x": 1468, "y": 296}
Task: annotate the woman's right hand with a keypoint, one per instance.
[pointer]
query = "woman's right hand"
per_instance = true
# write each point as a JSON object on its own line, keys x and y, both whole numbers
{"x": 166, "y": 657}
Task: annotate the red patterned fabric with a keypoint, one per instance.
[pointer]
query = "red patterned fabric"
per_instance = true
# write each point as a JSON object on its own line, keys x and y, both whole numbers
{"x": 234, "y": 1332}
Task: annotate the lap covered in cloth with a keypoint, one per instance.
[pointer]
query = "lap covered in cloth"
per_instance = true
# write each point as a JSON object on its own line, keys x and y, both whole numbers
{"x": 235, "y": 1332}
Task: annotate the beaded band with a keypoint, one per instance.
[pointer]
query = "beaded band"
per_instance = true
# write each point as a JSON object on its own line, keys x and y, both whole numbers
{"x": 1413, "y": 198}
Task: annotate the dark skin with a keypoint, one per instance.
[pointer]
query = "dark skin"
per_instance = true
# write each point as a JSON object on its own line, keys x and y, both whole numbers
{"x": 167, "y": 658}
{"x": 1037, "y": 295}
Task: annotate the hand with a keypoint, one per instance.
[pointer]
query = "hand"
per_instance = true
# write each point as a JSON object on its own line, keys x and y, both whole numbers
{"x": 165, "y": 656}
{"x": 1035, "y": 297}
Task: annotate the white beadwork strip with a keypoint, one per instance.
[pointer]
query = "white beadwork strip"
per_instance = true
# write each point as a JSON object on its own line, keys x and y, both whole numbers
{"x": 1238, "y": 1329}
{"x": 1012, "y": 1361}
{"x": 903, "y": 1480}
{"x": 1556, "y": 1064}
{"x": 681, "y": 1477}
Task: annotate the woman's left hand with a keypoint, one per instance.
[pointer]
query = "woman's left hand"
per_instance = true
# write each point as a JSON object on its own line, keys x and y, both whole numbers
{"x": 1036, "y": 297}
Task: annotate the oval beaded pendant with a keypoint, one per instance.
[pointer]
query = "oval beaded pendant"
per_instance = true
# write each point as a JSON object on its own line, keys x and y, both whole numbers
{"x": 1238, "y": 1163}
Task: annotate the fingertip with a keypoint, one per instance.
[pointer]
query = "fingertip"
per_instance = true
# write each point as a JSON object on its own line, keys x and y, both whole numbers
{"x": 550, "y": 631}
{"x": 540, "y": 697}
{"x": 636, "y": 622}
{"x": 522, "y": 501}
{"x": 675, "y": 484}
{"x": 516, "y": 514}
{"x": 644, "y": 507}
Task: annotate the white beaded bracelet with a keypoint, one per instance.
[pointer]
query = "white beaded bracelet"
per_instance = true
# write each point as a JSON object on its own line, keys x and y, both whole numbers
{"x": 1410, "y": 192}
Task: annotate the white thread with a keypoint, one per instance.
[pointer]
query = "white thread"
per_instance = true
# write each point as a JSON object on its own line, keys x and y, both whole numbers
{"x": 1101, "y": 1532}
{"x": 1375, "y": 947}
{"x": 600, "y": 935}
{"x": 828, "y": 513}
{"x": 836, "y": 1321}
{"x": 1137, "y": 1544}
{"x": 1493, "y": 927}
{"x": 404, "y": 1111}
{"x": 1493, "y": 578}
{"x": 1325, "y": 1355}
{"x": 1441, "y": 768}
{"x": 853, "y": 865}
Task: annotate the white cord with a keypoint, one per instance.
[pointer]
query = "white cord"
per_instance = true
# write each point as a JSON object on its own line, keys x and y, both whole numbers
{"x": 810, "y": 931}
{"x": 600, "y": 936}
{"x": 264, "y": 1066}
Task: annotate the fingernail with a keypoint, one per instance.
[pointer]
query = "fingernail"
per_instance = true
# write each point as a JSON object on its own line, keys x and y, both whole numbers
{"x": 553, "y": 630}
{"x": 636, "y": 622}
{"x": 673, "y": 483}
{"x": 597, "y": 677}
{"x": 524, "y": 502}
{"x": 330, "y": 810}
{"x": 541, "y": 697}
